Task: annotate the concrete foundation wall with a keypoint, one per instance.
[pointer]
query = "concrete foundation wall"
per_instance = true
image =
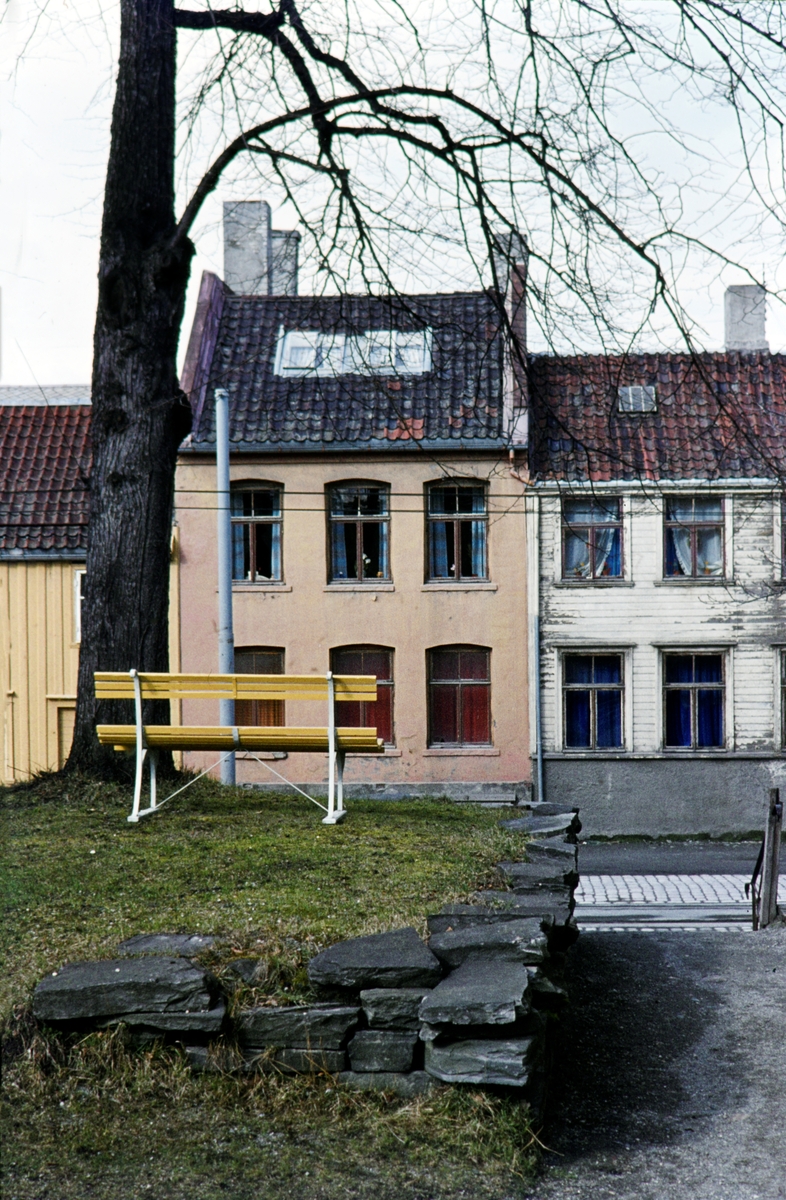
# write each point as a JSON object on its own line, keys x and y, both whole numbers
{"x": 662, "y": 797}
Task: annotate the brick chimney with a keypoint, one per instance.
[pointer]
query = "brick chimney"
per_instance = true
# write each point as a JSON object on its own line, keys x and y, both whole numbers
{"x": 258, "y": 260}
{"x": 510, "y": 263}
{"x": 745, "y": 310}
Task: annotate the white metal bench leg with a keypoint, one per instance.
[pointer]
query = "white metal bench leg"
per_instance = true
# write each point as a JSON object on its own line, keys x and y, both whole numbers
{"x": 335, "y": 762}
{"x": 340, "y": 756}
{"x": 141, "y": 750}
{"x": 153, "y": 756}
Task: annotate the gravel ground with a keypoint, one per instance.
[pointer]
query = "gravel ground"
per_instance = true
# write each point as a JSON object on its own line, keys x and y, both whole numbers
{"x": 672, "y": 1070}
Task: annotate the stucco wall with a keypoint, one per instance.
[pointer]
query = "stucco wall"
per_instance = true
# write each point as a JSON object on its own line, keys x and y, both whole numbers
{"x": 307, "y": 616}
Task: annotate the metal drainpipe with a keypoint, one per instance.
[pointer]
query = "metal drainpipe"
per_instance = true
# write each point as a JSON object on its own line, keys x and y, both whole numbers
{"x": 534, "y": 604}
{"x": 226, "y": 638}
{"x": 538, "y": 721}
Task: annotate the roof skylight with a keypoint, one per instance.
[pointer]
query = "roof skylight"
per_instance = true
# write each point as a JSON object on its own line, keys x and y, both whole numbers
{"x": 301, "y": 353}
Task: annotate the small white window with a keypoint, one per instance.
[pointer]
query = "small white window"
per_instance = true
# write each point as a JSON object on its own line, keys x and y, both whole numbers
{"x": 636, "y": 399}
{"x": 79, "y": 595}
{"x": 304, "y": 352}
{"x": 307, "y": 352}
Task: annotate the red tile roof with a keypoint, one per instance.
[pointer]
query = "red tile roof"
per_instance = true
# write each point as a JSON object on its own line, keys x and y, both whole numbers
{"x": 718, "y": 416}
{"x": 45, "y": 462}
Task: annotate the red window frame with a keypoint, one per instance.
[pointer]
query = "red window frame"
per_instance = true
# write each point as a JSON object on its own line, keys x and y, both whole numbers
{"x": 459, "y": 696}
{"x": 367, "y": 660}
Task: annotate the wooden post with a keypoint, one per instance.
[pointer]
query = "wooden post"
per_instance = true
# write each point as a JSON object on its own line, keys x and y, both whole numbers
{"x": 768, "y": 904}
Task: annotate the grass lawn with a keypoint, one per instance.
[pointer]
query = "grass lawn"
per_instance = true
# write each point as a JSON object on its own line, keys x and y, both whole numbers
{"x": 95, "y": 1117}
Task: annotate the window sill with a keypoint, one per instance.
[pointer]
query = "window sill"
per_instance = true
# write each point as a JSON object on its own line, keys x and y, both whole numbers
{"x": 593, "y": 583}
{"x": 388, "y": 752}
{"x": 264, "y": 755}
{"x": 695, "y": 580}
{"x": 261, "y": 587}
{"x": 371, "y": 586}
{"x": 461, "y": 752}
{"x": 459, "y": 586}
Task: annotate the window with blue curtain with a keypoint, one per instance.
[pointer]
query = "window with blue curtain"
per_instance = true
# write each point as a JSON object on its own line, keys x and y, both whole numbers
{"x": 693, "y": 701}
{"x": 592, "y": 538}
{"x": 359, "y": 519}
{"x": 457, "y": 518}
{"x": 256, "y": 534}
{"x": 592, "y": 688}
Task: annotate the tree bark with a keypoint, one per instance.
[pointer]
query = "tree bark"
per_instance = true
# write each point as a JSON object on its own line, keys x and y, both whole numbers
{"x": 140, "y": 416}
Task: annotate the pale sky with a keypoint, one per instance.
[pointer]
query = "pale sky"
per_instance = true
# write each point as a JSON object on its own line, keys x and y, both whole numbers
{"x": 54, "y": 123}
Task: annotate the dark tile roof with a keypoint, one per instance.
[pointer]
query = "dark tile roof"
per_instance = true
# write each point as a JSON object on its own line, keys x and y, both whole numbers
{"x": 459, "y": 401}
{"x": 44, "y": 466}
{"x": 718, "y": 416}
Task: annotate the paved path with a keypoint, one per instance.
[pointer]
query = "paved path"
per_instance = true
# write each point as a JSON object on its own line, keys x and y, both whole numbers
{"x": 670, "y": 1070}
{"x": 666, "y": 885}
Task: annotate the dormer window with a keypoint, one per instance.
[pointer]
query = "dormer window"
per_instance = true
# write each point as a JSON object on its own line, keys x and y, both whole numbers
{"x": 636, "y": 399}
{"x": 304, "y": 352}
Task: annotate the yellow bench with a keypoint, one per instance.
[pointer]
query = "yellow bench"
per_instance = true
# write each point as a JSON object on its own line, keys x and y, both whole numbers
{"x": 147, "y": 740}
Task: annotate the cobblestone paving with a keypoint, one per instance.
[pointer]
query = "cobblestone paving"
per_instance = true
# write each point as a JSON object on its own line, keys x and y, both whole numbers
{"x": 663, "y": 889}
{"x": 646, "y": 903}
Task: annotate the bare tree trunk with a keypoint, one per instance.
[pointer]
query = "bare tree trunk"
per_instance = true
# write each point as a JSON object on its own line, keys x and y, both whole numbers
{"x": 139, "y": 413}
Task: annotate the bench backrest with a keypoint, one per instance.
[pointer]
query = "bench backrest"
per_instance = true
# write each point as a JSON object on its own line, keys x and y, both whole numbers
{"x": 119, "y": 685}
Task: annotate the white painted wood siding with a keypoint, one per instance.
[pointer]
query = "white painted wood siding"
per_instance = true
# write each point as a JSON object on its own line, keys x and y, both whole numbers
{"x": 745, "y": 616}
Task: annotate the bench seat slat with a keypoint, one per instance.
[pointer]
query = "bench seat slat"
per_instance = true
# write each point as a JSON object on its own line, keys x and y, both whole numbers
{"x": 252, "y": 737}
{"x": 118, "y": 685}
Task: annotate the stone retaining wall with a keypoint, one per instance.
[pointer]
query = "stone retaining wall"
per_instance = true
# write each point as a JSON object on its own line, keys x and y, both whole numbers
{"x": 471, "y": 1006}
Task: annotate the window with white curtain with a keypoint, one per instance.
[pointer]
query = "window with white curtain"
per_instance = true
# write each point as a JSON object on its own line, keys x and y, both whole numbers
{"x": 591, "y": 538}
{"x": 693, "y": 537}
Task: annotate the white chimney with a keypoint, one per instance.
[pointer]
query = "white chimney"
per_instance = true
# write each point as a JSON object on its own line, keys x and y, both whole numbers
{"x": 745, "y": 308}
{"x": 258, "y": 260}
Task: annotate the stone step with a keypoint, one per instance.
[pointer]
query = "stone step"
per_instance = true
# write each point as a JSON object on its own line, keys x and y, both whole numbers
{"x": 652, "y": 914}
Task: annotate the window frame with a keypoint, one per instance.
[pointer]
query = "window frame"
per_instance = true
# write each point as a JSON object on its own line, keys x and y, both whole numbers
{"x": 460, "y": 684}
{"x": 388, "y": 684}
{"x": 566, "y": 526}
{"x": 593, "y": 688}
{"x": 694, "y": 687}
{"x": 277, "y": 708}
{"x": 80, "y": 575}
{"x": 238, "y": 487}
{"x": 358, "y": 521}
{"x": 456, "y": 519}
{"x": 694, "y": 526}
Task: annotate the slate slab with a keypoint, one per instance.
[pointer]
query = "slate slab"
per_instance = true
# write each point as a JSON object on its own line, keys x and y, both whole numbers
{"x": 482, "y": 991}
{"x": 320, "y": 1026}
{"x": 250, "y": 970}
{"x": 392, "y": 1008}
{"x": 186, "y": 944}
{"x": 415, "y": 1083}
{"x": 559, "y": 903}
{"x": 395, "y": 959}
{"x": 210, "y": 1020}
{"x": 460, "y": 916}
{"x": 520, "y": 941}
{"x": 506, "y": 1062}
{"x": 536, "y": 877}
{"x": 565, "y": 823}
{"x": 382, "y": 1050}
{"x": 555, "y": 847}
{"x": 80, "y": 991}
{"x": 550, "y": 810}
{"x": 297, "y": 1060}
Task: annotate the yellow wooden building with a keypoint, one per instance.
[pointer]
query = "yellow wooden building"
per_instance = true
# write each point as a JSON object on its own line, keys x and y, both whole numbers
{"x": 44, "y": 471}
